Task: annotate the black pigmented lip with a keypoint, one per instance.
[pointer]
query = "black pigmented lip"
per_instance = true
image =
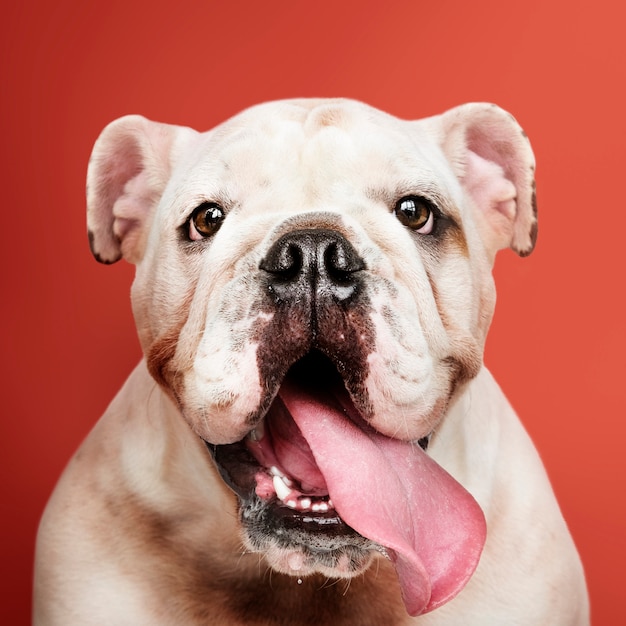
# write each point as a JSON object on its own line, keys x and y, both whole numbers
{"x": 236, "y": 466}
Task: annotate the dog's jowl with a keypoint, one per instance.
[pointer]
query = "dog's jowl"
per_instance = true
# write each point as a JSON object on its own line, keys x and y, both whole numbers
{"x": 311, "y": 436}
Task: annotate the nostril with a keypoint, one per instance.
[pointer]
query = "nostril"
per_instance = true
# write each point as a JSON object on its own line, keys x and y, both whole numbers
{"x": 284, "y": 262}
{"x": 289, "y": 262}
{"x": 341, "y": 261}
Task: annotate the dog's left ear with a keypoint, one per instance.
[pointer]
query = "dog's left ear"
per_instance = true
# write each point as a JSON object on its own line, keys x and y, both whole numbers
{"x": 492, "y": 158}
{"x": 130, "y": 165}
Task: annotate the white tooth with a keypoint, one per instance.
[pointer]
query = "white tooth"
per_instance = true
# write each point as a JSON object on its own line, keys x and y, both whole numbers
{"x": 315, "y": 507}
{"x": 292, "y": 504}
{"x": 274, "y": 471}
{"x": 330, "y": 504}
{"x": 282, "y": 491}
{"x": 323, "y": 507}
{"x": 305, "y": 503}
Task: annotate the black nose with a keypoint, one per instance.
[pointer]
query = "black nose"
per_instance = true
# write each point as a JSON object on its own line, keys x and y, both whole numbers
{"x": 314, "y": 263}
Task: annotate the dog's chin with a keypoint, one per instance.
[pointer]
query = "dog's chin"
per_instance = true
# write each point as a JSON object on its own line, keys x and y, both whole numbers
{"x": 301, "y": 544}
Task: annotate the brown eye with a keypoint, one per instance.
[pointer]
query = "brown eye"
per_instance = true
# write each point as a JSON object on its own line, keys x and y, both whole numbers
{"x": 416, "y": 213}
{"x": 205, "y": 220}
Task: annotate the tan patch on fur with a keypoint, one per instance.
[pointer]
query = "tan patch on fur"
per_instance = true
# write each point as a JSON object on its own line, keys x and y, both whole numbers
{"x": 209, "y": 580}
{"x": 466, "y": 360}
{"x": 175, "y": 564}
{"x": 314, "y": 220}
{"x": 454, "y": 238}
{"x": 370, "y": 600}
{"x": 329, "y": 116}
{"x": 160, "y": 354}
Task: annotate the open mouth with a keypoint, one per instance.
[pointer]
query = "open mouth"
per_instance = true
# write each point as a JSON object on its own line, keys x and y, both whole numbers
{"x": 275, "y": 462}
{"x": 315, "y": 476}
{"x": 276, "y": 465}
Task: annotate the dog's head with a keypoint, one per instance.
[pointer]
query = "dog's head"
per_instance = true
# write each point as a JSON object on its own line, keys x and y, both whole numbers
{"x": 313, "y": 288}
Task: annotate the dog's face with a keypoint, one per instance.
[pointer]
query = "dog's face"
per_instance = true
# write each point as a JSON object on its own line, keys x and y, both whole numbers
{"x": 313, "y": 287}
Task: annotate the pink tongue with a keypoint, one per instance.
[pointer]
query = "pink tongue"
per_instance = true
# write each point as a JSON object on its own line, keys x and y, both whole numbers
{"x": 393, "y": 493}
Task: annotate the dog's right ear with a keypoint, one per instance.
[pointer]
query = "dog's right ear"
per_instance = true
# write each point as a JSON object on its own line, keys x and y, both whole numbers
{"x": 129, "y": 167}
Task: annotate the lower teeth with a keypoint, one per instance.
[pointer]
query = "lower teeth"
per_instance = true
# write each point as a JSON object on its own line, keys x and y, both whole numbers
{"x": 294, "y": 500}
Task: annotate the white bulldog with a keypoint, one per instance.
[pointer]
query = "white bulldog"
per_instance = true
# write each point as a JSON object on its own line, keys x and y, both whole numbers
{"x": 312, "y": 437}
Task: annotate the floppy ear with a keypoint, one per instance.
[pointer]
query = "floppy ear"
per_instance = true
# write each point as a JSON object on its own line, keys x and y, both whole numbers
{"x": 492, "y": 158}
{"x": 129, "y": 167}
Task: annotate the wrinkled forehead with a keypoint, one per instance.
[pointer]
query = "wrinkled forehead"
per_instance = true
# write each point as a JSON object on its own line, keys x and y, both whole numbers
{"x": 314, "y": 148}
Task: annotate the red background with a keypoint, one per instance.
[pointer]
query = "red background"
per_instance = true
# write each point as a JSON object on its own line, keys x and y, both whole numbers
{"x": 558, "y": 342}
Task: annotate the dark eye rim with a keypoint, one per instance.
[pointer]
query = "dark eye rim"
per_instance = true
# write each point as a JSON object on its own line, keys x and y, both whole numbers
{"x": 203, "y": 208}
{"x": 427, "y": 202}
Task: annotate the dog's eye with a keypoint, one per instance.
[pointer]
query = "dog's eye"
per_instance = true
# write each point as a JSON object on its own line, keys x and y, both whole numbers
{"x": 205, "y": 220}
{"x": 416, "y": 213}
